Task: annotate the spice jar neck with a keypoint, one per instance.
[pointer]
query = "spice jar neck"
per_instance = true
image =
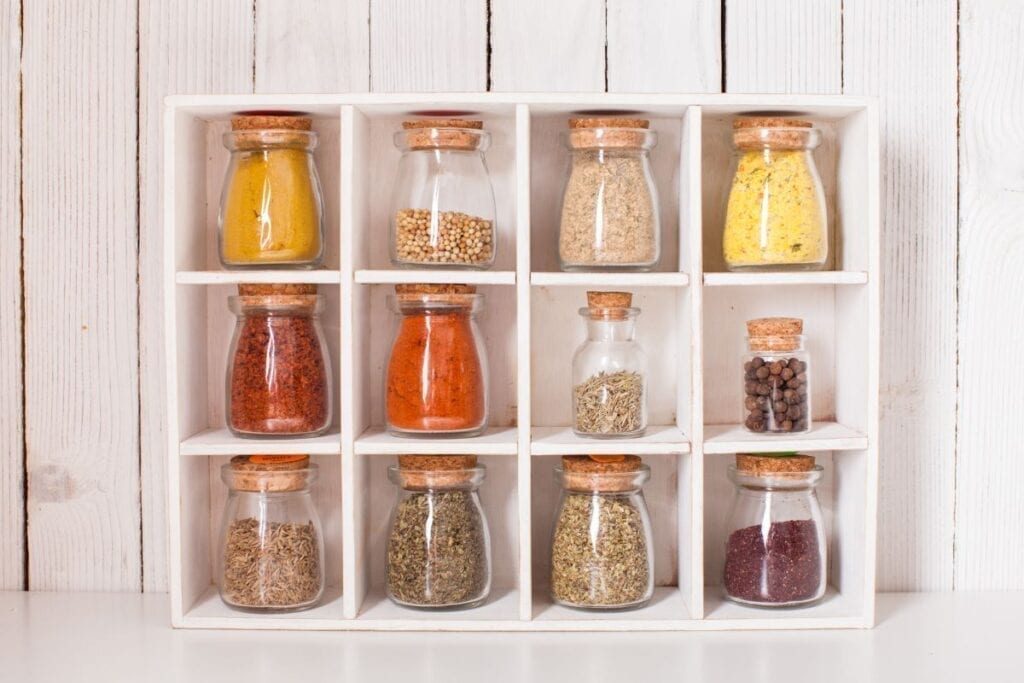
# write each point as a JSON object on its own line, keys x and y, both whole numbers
{"x": 611, "y": 330}
{"x": 441, "y": 305}
{"x": 266, "y": 139}
{"x": 800, "y": 483}
{"x": 285, "y": 305}
{"x": 603, "y": 483}
{"x": 776, "y": 139}
{"x": 779, "y": 343}
{"x": 440, "y": 141}
{"x": 468, "y": 479}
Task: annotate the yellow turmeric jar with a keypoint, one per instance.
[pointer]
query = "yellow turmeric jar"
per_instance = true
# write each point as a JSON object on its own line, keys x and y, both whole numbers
{"x": 775, "y": 218}
{"x": 271, "y": 206}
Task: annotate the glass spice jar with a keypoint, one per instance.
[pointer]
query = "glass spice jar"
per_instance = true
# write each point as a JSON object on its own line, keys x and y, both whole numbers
{"x": 609, "y": 370}
{"x": 436, "y": 383}
{"x": 439, "y": 547}
{"x": 602, "y": 551}
{"x": 776, "y": 377}
{"x": 271, "y": 552}
{"x": 271, "y": 204}
{"x": 279, "y": 370}
{"x": 775, "y": 552}
{"x": 775, "y": 217}
{"x": 610, "y": 216}
{"x": 442, "y": 204}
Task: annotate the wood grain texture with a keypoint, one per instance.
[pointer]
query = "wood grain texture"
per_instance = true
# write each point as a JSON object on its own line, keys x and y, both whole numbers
{"x": 425, "y": 45}
{"x": 312, "y": 46}
{"x": 989, "y": 548}
{"x": 545, "y": 46}
{"x": 664, "y": 46}
{"x": 183, "y": 48}
{"x": 12, "y": 442}
{"x": 81, "y": 298}
{"x": 905, "y": 53}
{"x": 783, "y": 46}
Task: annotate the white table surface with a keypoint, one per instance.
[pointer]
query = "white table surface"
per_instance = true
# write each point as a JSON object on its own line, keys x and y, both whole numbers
{"x": 126, "y": 637}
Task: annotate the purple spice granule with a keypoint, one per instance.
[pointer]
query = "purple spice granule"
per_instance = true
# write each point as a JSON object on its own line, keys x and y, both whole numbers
{"x": 784, "y": 570}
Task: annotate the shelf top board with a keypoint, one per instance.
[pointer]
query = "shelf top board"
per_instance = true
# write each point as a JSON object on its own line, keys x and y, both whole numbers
{"x": 823, "y": 436}
{"x": 562, "y": 441}
{"x": 222, "y": 442}
{"x": 495, "y": 441}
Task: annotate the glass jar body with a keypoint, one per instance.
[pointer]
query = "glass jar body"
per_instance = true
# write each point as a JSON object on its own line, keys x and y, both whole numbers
{"x": 776, "y": 549}
{"x": 271, "y": 204}
{"x": 775, "y": 215}
{"x": 776, "y": 390}
{"x": 442, "y": 207}
{"x": 609, "y": 376}
{"x": 602, "y": 549}
{"x": 439, "y": 544}
{"x": 436, "y": 382}
{"x": 279, "y": 372}
{"x": 271, "y": 551}
{"x": 610, "y": 216}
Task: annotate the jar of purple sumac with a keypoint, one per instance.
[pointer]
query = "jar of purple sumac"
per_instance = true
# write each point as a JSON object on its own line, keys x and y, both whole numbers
{"x": 775, "y": 548}
{"x": 776, "y": 377}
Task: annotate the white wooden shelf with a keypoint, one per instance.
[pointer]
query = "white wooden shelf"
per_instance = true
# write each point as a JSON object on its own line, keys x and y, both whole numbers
{"x": 691, "y": 328}
{"x": 823, "y": 436}
{"x": 222, "y": 442}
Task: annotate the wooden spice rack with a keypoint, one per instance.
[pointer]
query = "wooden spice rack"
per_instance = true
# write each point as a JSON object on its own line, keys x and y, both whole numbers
{"x": 691, "y": 327}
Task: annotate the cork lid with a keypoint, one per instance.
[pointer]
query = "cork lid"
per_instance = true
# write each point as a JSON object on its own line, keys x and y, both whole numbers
{"x": 773, "y": 132}
{"x": 439, "y": 293}
{"x": 602, "y": 473}
{"x": 251, "y": 295}
{"x": 269, "y": 473}
{"x": 760, "y": 464}
{"x": 774, "y": 334}
{"x": 270, "y": 120}
{"x": 609, "y": 131}
{"x": 609, "y": 305}
{"x": 443, "y": 133}
{"x": 271, "y": 129}
{"x": 422, "y": 472}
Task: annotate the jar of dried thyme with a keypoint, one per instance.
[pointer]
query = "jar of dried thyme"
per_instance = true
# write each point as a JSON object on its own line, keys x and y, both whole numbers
{"x": 602, "y": 552}
{"x": 439, "y": 547}
{"x": 610, "y": 218}
{"x": 271, "y": 551}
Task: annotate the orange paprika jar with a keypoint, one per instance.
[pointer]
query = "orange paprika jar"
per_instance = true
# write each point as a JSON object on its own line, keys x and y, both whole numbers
{"x": 436, "y": 380}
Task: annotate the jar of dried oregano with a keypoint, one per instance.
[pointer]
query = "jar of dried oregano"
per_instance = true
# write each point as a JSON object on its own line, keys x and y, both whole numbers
{"x": 271, "y": 551}
{"x": 442, "y": 202}
{"x": 602, "y": 552}
{"x": 609, "y": 370}
{"x": 439, "y": 548}
{"x": 610, "y": 218}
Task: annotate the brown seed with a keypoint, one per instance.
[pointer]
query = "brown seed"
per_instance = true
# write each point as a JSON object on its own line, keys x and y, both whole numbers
{"x": 787, "y": 426}
{"x": 757, "y": 362}
{"x": 788, "y": 374}
{"x": 762, "y": 372}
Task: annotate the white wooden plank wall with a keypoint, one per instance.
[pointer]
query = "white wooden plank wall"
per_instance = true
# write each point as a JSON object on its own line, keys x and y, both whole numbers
{"x": 89, "y": 213}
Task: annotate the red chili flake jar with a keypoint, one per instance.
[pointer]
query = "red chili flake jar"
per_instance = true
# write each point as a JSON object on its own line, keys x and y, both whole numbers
{"x": 279, "y": 371}
{"x": 775, "y": 554}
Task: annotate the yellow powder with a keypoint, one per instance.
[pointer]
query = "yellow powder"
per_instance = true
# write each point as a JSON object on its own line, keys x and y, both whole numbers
{"x": 776, "y": 211}
{"x": 270, "y": 211}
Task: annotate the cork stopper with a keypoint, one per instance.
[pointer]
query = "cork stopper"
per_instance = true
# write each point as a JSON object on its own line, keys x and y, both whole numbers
{"x": 267, "y": 289}
{"x": 269, "y": 120}
{"x": 774, "y": 334}
{"x": 440, "y": 293}
{"x": 455, "y": 134}
{"x": 253, "y": 130}
{"x": 767, "y": 465}
{"x": 270, "y": 473}
{"x": 608, "y": 131}
{"x": 422, "y": 472}
{"x": 609, "y": 305}
{"x": 601, "y": 473}
{"x": 772, "y": 132}
{"x": 273, "y": 294}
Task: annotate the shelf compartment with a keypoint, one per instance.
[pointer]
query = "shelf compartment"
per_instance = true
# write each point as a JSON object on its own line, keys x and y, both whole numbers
{"x": 823, "y": 436}
{"x": 667, "y": 604}
{"x": 835, "y": 610}
{"x": 495, "y": 441}
{"x": 211, "y": 612}
{"x": 467, "y": 277}
{"x": 562, "y": 441}
{"x": 606, "y": 280}
{"x": 229, "y": 277}
{"x": 220, "y": 441}
{"x": 827, "y": 277}
{"x": 501, "y": 605}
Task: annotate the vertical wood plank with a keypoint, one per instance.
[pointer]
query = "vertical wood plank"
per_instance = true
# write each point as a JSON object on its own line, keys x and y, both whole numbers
{"x": 81, "y": 300}
{"x": 989, "y": 548}
{"x": 184, "y": 47}
{"x": 783, "y": 46}
{"x": 905, "y": 53}
{"x": 548, "y": 46}
{"x": 12, "y": 443}
{"x": 664, "y": 46}
{"x": 428, "y": 45}
{"x": 312, "y": 46}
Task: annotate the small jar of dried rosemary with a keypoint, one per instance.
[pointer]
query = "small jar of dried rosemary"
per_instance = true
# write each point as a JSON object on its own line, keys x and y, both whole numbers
{"x": 271, "y": 551}
{"x": 439, "y": 548}
{"x": 602, "y": 552}
{"x": 609, "y": 370}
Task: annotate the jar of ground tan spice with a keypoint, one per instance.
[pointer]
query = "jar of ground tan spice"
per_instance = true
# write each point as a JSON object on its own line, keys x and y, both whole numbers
{"x": 442, "y": 203}
{"x": 775, "y": 216}
{"x": 271, "y": 205}
{"x": 439, "y": 546}
{"x": 602, "y": 550}
{"x": 271, "y": 551}
{"x": 610, "y": 218}
{"x": 776, "y": 377}
{"x": 436, "y": 382}
{"x": 279, "y": 370}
